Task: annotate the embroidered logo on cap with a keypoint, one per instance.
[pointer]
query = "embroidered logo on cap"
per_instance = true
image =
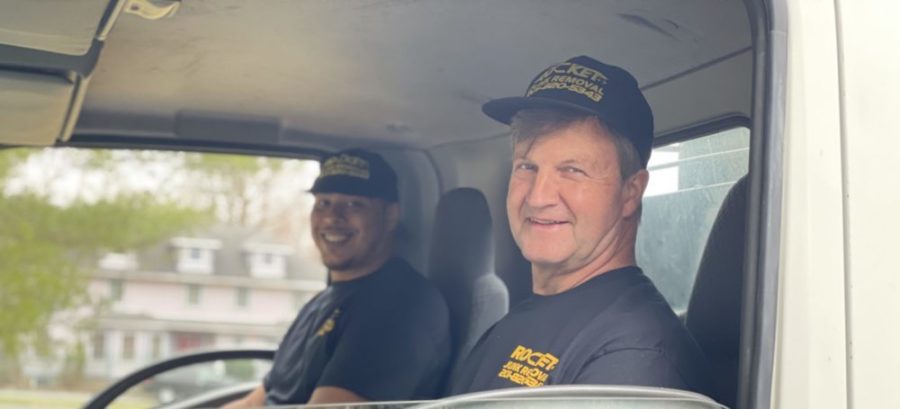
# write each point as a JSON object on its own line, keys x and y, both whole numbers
{"x": 571, "y": 77}
{"x": 347, "y": 165}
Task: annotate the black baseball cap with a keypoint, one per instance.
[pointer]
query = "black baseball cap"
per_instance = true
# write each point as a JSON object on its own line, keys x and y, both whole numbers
{"x": 586, "y": 85}
{"x": 357, "y": 172}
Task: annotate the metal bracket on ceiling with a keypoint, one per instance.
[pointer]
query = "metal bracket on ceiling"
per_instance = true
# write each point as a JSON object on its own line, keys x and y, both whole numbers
{"x": 152, "y": 9}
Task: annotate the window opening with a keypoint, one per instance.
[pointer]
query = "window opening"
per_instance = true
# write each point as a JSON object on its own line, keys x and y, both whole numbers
{"x": 688, "y": 181}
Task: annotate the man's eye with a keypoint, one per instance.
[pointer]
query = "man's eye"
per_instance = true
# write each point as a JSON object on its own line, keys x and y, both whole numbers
{"x": 353, "y": 204}
{"x": 321, "y": 204}
{"x": 530, "y": 167}
{"x": 572, "y": 169}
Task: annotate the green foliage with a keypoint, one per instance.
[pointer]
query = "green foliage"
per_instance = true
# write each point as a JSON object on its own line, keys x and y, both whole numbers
{"x": 9, "y": 158}
{"x": 241, "y": 369}
{"x": 215, "y": 164}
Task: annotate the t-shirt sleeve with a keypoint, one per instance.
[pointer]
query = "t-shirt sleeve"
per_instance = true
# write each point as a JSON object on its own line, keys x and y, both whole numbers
{"x": 289, "y": 340}
{"x": 641, "y": 367}
{"x": 387, "y": 354}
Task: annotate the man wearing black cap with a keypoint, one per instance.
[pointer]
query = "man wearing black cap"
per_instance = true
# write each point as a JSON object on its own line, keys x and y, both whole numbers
{"x": 379, "y": 331}
{"x": 582, "y": 137}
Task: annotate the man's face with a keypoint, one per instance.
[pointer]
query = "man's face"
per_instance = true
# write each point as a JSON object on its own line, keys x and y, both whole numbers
{"x": 351, "y": 231}
{"x": 567, "y": 202}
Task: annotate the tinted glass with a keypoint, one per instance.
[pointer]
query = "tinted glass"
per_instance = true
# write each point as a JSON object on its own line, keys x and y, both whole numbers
{"x": 688, "y": 181}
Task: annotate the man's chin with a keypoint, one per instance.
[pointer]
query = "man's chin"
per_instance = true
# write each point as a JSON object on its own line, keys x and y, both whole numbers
{"x": 338, "y": 265}
{"x": 541, "y": 255}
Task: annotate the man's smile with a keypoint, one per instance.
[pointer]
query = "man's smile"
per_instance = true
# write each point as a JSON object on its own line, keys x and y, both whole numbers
{"x": 334, "y": 235}
{"x": 544, "y": 222}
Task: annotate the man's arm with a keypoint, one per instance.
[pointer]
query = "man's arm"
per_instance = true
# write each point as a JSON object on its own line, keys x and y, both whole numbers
{"x": 387, "y": 354}
{"x": 641, "y": 367}
{"x": 254, "y": 399}
{"x": 332, "y": 394}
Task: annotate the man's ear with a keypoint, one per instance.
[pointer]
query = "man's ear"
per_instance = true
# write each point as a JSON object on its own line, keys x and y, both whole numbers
{"x": 392, "y": 215}
{"x": 633, "y": 191}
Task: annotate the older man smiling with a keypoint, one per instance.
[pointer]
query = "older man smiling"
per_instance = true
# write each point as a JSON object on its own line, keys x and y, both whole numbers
{"x": 582, "y": 137}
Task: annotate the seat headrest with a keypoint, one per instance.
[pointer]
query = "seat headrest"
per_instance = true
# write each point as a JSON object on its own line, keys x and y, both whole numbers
{"x": 714, "y": 311}
{"x": 462, "y": 240}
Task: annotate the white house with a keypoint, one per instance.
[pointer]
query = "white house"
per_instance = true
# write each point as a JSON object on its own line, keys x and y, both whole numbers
{"x": 225, "y": 287}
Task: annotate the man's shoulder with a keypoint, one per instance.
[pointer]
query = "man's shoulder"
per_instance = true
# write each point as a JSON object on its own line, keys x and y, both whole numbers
{"x": 638, "y": 318}
{"x": 402, "y": 299}
{"x": 402, "y": 286}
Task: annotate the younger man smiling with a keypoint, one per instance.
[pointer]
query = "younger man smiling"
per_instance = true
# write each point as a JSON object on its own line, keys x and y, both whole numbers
{"x": 379, "y": 331}
{"x": 582, "y": 137}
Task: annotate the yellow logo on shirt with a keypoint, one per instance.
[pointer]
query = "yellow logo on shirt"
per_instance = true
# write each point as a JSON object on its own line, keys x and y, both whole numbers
{"x": 329, "y": 324}
{"x": 528, "y": 367}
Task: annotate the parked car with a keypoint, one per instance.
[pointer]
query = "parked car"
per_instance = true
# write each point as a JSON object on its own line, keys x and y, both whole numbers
{"x": 780, "y": 109}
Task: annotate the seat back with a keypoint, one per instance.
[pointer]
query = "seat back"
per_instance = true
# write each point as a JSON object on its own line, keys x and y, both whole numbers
{"x": 714, "y": 311}
{"x": 461, "y": 264}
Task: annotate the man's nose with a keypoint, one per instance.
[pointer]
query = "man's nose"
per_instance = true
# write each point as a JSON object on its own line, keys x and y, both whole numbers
{"x": 336, "y": 211}
{"x": 543, "y": 191}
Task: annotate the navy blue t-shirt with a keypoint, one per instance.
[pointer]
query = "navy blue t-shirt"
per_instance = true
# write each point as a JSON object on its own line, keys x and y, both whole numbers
{"x": 614, "y": 329}
{"x": 384, "y": 336}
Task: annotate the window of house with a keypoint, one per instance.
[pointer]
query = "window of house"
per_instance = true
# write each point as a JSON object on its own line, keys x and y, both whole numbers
{"x": 688, "y": 182}
{"x": 267, "y": 259}
{"x": 193, "y": 294}
{"x": 98, "y": 344}
{"x": 128, "y": 346}
{"x": 115, "y": 289}
{"x": 156, "y": 347}
{"x": 241, "y": 296}
{"x": 196, "y": 255}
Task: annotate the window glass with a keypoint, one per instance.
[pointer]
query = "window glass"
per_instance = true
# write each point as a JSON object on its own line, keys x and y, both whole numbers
{"x": 99, "y": 253}
{"x": 193, "y": 294}
{"x": 688, "y": 181}
{"x": 98, "y": 343}
{"x": 241, "y": 296}
{"x": 156, "y": 347}
{"x": 128, "y": 346}
{"x": 115, "y": 289}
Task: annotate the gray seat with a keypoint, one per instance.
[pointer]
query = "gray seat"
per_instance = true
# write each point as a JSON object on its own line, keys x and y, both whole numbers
{"x": 461, "y": 265}
{"x": 714, "y": 311}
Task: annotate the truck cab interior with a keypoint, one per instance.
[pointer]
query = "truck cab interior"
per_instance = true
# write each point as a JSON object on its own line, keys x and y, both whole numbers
{"x": 297, "y": 79}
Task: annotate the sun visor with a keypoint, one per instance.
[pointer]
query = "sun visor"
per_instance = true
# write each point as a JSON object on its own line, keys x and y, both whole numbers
{"x": 35, "y": 109}
{"x": 62, "y": 27}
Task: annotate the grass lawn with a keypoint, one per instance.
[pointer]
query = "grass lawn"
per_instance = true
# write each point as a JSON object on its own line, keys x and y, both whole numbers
{"x": 44, "y": 399}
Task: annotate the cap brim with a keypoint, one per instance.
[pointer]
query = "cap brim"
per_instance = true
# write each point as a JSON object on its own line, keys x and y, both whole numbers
{"x": 352, "y": 186}
{"x": 503, "y": 109}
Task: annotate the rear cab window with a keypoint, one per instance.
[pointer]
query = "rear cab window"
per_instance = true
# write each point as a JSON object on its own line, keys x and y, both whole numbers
{"x": 688, "y": 181}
